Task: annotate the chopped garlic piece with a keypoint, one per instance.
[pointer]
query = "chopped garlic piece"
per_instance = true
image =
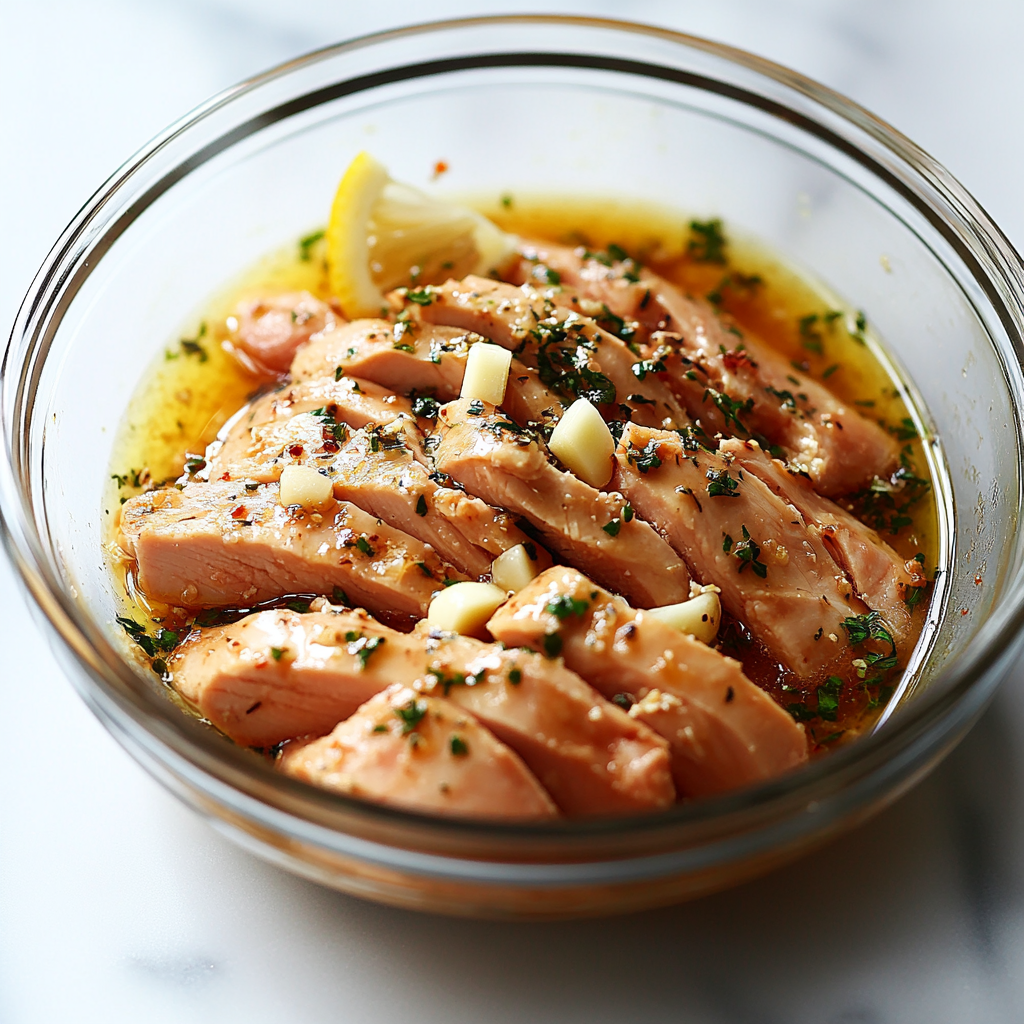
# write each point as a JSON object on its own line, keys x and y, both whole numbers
{"x": 513, "y": 569}
{"x": 465, "y": 607}
{"x": 582, "y": 441}
{"x": 303, "y": 485}
{"x": 486, "y": 374}
{"x": 700, "y": 616}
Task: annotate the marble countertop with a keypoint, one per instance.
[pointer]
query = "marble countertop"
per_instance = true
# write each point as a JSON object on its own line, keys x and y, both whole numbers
{"x": 117, "y": 904}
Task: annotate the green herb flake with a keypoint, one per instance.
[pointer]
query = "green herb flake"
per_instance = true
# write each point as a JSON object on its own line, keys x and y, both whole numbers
{"x": 411, "y": 714}
{"x": 515, "y": 676}
{"x": 721, "y": 485}
{"x": 565, "y": 605}
{"x": 277, "y": 653}
{"x": 707, "y": 241}
{"x": 828, "y": 698}
{"x": 646, "y": 458}
{"x": 458, "y": 746}
{"x": 552, "y": 644}
{"x": 364, "y": 545}
{"x": 612, "y": 528}
{"x": 421, "y": 506}
{"x": 421, "y": 296}
{"x": 749, "y": 553}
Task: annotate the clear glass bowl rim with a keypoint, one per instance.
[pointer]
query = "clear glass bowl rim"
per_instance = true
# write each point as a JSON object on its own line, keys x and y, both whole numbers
{"x": 117, "y": 690}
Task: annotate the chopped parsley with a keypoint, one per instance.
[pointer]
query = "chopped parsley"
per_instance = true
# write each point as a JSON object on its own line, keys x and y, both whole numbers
{"x": 425, "y": 406}
{"x": 565, "y": 605}
{"x": 730, "y": 408}
{"x": 749, "y": 552}
{"x": 161, "y": 641}
{"x": 421, "y": 296}
{"x": 871, "y": 626}
{"x": 646, "y": 458}
{"x": 306, "y": 244}
{"x": 364, "y": 545}
{"x": 645, "y": 366}
{"x": 828, "y": 698}
{"x": 612, "y": 527}
{"x": 727, "y": 544}
{"x": 411, "y": 714}
{"x": 458, "y": 746}
{"x": 552, "y": 644}
{"x": 707, "y": 242}
{"x": 722, "y": 485}
{"x": 475, "y": 408}
{"x": 421, "y": 506}
{"x": 277, "y": 653}
{"x": 362, "y": 646}
{"x": 338, "y": 596}
{"x": 515, "y": 676}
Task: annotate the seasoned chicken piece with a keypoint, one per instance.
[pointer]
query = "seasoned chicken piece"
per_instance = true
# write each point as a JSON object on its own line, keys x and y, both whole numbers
{"x": 724, "y": 732}
{"x": 268, "y": 330}
{"x": 589, "y": 754}
{"x": 573, "y": 355}
{"x": 774, "y": 573}
{"x": 383, "y": 478}
{"x": 431, "y": 361}
{"x": 228, "y": 545}
{"x": 734, "y": 385}
{"x": 881, "y": 579}
{"x": 496, "y": 461}
{"x": 349, "y": 400}
{"x": 423, "y": 753}
{"x": 380, "y": 469}
{"x": 404, "y": 357}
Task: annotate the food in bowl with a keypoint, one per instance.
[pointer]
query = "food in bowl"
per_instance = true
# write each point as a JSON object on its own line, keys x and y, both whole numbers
{"x": 522, "y": 520}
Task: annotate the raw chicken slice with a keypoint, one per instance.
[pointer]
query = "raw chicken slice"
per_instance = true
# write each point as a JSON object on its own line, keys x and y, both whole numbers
{"x": 268, "y": 330}
{"x": 589, "y": 754}
{"x": 775, "y": 574}
{"x": 507, "y": 468}
{"x": 724, "y": 732}
{"x": 881, "y": 579}
{"x": 226, "y": 545}
{"x": 422, "y": 753}
{"x": 573, "y": 355}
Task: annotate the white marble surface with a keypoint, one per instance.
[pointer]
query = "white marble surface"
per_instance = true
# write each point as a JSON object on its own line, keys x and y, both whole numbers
{"x": 116, "y": 904}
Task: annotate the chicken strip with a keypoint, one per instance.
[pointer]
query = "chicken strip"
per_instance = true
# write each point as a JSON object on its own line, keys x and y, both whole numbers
{"x": 422, "y": 753}
{"x": 226, "y": 545}
{"x": 507, "y": 468}
{"x": 266, "y": 331}
{"x": 881, "y": 579}
{"x": 280, "y": 674}
{"x": 775, "y": 574}
{"x": 573, "y": 355}
{"x": 724, "y": 732}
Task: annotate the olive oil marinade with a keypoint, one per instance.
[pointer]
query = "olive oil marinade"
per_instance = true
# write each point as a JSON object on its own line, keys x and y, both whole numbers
{"x": 197, "y": 384}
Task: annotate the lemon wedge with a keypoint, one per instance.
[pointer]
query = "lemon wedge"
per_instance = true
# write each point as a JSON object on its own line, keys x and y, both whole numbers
{"x": 384, "y": 234}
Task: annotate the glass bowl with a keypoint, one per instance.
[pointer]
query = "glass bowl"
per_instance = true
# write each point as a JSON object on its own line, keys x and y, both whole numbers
{"x": 530, "y": 104}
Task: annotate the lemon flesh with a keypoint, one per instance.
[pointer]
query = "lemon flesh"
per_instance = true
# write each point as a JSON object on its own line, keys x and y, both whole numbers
{"x": 383, "y": 234}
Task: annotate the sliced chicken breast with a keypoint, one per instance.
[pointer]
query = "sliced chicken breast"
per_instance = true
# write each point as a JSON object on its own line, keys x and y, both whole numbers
{"x": 226, "y": 545}
{"x": 422, "y": 753}
{"x": 775, "y": 573}
{"x": 507, "y": 468}
{"x": 724, "y": 732}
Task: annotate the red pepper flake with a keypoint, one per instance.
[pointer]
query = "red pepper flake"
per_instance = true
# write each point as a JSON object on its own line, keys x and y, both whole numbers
{"x": 963, "y": 611}
{"x": 238, "y": 512}
{"x": 734, "y": 360}
{"x": 295, "y": 450}
{"x": 330, "y": 445}
{"x": 977, "y": 581}
{"x": 225, "y": 476}
{"x": 440, "y": 168}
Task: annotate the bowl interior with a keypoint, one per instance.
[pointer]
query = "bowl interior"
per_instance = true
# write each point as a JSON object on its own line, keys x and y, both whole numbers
{"x": 254, "y": 173}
